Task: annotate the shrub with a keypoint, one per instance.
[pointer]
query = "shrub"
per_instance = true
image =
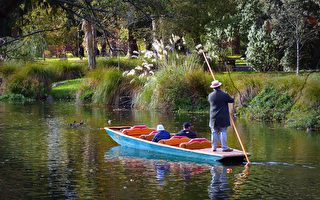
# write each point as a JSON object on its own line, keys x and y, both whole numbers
{"x": 33, "y": 81}
{"x": 123, "y": 63}
{"x": 64, "y": 70}
{"x": 173, "y": 87}
{"x": 270, "y": 104}
{"x": 15, "y": 98}
{"x": 9, "y": 69}
{"x": 304, "y": 118}
{"x": 103, "y": 86}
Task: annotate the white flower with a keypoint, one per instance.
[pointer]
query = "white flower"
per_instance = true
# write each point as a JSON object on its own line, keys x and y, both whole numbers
{"x": 165, "y": 52}
{"x": 125, "y": 73}
{"x": 138, "y": 68}
{"x": 132, "y": 72}
{"x": 146, "y": 66}
{"x": 148, "y": 54}
{"x": 199, "y": 46}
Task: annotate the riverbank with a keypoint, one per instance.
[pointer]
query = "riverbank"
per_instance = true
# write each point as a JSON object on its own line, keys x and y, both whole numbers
{"x": 177, "y": 87}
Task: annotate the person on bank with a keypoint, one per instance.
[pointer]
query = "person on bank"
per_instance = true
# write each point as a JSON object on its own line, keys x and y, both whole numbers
{"x": 187, "y": 131}
{"x": 219, "y": 116}
{"x": 162, "y": 134}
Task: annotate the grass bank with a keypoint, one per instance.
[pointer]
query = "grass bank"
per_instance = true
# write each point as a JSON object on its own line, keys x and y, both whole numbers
{"x": 177, "y": 86}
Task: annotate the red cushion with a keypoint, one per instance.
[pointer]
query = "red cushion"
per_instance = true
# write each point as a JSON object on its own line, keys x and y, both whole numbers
{"x": 198, "y": 140}
{"x": 178, "y": 137}
{"x": 139, "y": 126}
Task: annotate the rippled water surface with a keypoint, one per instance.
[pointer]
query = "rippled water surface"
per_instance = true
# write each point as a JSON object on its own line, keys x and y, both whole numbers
{"x": 42, "y": 157}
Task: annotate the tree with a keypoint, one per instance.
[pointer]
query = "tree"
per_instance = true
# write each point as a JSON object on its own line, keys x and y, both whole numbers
{"x": 291, "y": 27}
{"x": 261, "y": 52}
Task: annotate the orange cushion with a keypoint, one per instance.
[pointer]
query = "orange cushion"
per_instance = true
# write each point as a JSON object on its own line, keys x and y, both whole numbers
{"x": 197, "y": 143}
{"x": 175, "y": 140}
{"x": 138, "y": 130}
{"x": 149, "y": 136}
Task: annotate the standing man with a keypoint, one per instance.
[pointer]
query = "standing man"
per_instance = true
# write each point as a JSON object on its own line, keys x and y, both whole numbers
{"x": 219, "y": 116}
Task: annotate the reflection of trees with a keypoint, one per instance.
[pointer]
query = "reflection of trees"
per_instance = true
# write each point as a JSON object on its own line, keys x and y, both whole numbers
{"x": 59, "y": 180}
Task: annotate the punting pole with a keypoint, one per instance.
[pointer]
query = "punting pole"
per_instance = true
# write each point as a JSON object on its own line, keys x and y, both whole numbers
{"x": 231, "y": 118}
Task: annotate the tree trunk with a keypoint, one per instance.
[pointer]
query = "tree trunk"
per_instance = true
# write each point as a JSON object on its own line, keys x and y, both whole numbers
{"x": 154, "y": 28}
{"x": 236, "y": 44}
{"x": 132, "y": 43}
{"x": 90, "y": 43}
{"x": 298, "y": 57}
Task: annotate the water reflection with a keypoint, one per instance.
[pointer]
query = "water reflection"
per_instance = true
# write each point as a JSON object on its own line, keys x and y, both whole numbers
{"x": 161, "y": 163}
{"x": 162, "y": 168}
{"x": 219, "y": 186}
{"x": 58, "y": 173}
{"x": 41, "y": 157}
{"x": 165, "y": 166}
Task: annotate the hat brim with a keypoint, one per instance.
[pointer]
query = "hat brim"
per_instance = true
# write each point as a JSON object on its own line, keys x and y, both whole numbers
{"x": 215, "y": 86}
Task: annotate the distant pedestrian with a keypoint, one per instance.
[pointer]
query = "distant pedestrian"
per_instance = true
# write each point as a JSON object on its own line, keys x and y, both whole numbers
{"x": 81, "y": 51}
{"x": 219, "y": 116}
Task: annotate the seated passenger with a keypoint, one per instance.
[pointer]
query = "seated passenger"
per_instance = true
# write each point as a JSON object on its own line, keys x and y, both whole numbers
{"x": 162, "y": 134}
{"x": 187, "y": 131}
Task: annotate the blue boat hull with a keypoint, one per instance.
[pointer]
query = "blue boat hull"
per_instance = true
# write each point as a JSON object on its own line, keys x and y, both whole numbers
{"x": 193, "y": 155}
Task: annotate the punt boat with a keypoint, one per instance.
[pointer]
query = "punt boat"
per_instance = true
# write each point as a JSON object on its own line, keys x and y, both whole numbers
{"x": 120, "y": 134}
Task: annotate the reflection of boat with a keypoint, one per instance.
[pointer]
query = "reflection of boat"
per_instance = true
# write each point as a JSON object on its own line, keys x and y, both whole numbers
{"x": 161, "y": 163}
{"x": 128, "y": 152}
{"x": 205, "y": 155}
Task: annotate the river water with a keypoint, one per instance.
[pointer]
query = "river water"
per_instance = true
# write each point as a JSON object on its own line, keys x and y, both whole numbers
{"x": 42, "y": 157}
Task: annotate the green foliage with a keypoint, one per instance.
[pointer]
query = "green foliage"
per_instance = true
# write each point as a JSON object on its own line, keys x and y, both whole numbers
{"x": 175, "y": 87}
{"x": 86, "y": 94}
{"x": 107, "y": 89}
{"x": 261, "y": 52}
{"x": 270, "y": 104}
{"x": 124, "y": 63}
{"x": 292, "y": 28}
{"x": 15, "y": 98}
{"x": 26, "y": 49}
{"x": 101, "y": 86}
{"x": 304, "y": 118}
{"x": 32, "y": 81}
{"x": 9, "y": 68}
{"x": 64, "y": 70}
{"x": 66, "y": 90}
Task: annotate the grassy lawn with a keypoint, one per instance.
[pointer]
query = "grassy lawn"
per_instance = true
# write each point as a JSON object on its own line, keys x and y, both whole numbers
{"x": 66, "y": 89}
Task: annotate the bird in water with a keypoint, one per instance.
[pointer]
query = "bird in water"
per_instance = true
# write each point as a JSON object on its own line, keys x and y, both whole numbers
{"x": 75, "y": 124}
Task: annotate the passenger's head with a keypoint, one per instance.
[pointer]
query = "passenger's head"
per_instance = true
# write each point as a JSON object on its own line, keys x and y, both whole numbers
{"x": 186, "y": 125}
{"x": 160, "y": 127}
